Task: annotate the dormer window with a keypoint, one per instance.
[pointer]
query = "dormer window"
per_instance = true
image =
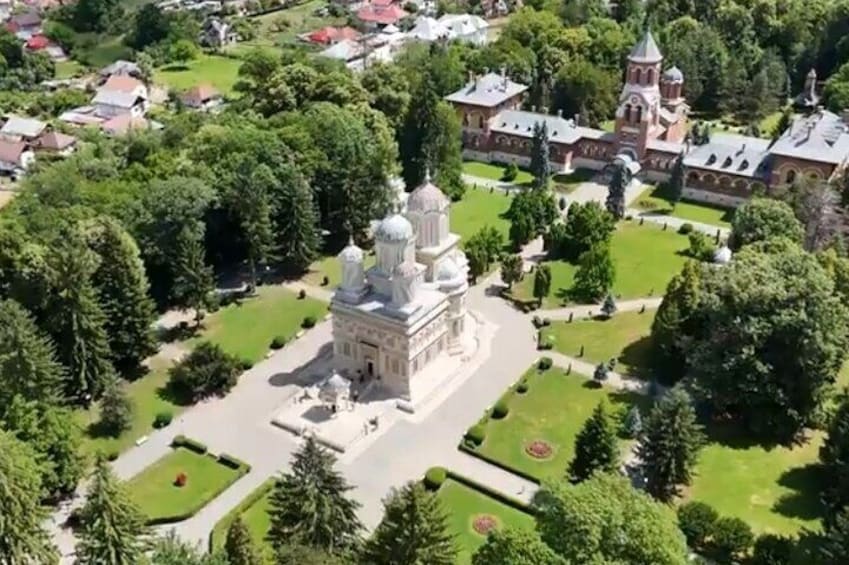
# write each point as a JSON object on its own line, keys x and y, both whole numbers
{"x": 712, "y": 159}
{"x": 744, "y": 164}
{"x": 727, "y": 162}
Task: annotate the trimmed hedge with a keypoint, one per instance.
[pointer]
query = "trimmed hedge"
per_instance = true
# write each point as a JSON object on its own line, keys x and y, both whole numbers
{"x": 229, "y": 461}
{"x": 501, "y": 409}
{"x": 466, "y": 448}
{"x": 545, "y": 363}
{"x": 492, "y": 493}
{"x": 190, "y": 444}
{"x": 308, "y": 322}
{"x": 476, "y": 434}
{"x": 243, "y": 506}
{"x": 434, "y": 477}
{"x": 278, "y": 342}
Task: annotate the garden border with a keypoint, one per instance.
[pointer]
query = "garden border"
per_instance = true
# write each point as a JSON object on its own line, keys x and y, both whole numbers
{"x": 490, "y": 492}
{"x": 240, "y": 508}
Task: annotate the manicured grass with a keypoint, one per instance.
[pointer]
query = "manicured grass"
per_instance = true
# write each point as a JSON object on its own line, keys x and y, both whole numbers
{"x": 103, "y": 50}
{"x": 160, "y": 499}
{"x": 772, "y": 489}
{"x": 553, "y": 409}
{"x": 646, "y": 258}
{"x": 148, "y": 400}
{"x": 463, "y": 504}
{"x": 652, "y": 201}
{"x": 329, "y": 266}
{"x": 300, "y": 20}
{"x": 478, "y": 208}
{"x": 246, "y": 330}
{"x": 220, "y": 72}
{"x": 67, "y": 69}
{"x": 625, "y": 336}
{"x": 494, "y": 171}
{"x": 254, "y": 512}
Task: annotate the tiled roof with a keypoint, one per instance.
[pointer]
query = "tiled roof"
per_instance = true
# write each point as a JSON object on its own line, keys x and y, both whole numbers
{"x": 488, "y": 90}
{"x": 732, "y": 154}
{"x": 56, "y": 141}
{"x": 23, "y": 127}
{"x": 646, "y": 51}
{"x": 197, "y": 95}
{"x": 120, "y": 125}
{"x": 121, "y": 83}
{"x": 379, "y": 14}
{"x": 11, "y": 151}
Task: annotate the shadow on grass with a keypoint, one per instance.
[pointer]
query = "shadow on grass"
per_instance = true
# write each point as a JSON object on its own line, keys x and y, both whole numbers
{"x": 732, "y": 434}
{"x": 97, "y": 430}
{"x": 172, "y": 394}
{"x": 176, "y": 67}
{"x": 636, "y": 356}
{"x": 804, "y": 503}
{"x": 180, "y": 332}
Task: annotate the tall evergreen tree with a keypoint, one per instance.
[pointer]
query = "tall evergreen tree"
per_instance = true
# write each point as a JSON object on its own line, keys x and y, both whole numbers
{"x": 112, "y": 528}
{"x": 675, "y": 187}
{"x": 542, "y": 282}
{"x": 254, "y": 210}
{"x": 596, "y": 446}
{"x": 615, "y": 202}
{"x": 835, "y": 544}
{"x": 783, "y": 123}
{"x": 123, "y": 293}
{"x": 298, "y": 234}
{"x": 171, "y": 550}
{"x": 672, "y": 321}
{"x": 540, "y": 165}
{"x": 116, "y": 408}
{"x": 834, "y": 456}
{"x": 309, "y": 504}
{"x": 55, "y": 437}
{"x": 414, "y": 530}
{"x": 193, "y": 282}
{"x": 23, "y": 541}
{"x": 670, "y": 444}
{"x": 239, "y": 547}
{"x": 28, "y": 365}
{"x": 511, "y": 269}
{"x": 77, "y": 321}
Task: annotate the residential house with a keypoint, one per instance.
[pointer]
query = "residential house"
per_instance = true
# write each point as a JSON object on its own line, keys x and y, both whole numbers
{"x": 123, "y": 124}
{"x": 18, "y": 128}
{"x": 201, "y": 97}
{"x": 464, "y": 27}
{"x": 217, "y": 33}
{"x": 111, "y": 103}
{"x": 25, "y": 25}
{"x": 331, "y": 35}
{"x": 15, "y": 157}
{"x": 57, "y": 143}
{"x": 377, "y": 14}
{"x": 42, "y": 43}
{"x": 121, "y": 68}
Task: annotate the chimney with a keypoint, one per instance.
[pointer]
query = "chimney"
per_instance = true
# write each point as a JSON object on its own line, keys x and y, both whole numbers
{"x": 544, "y": 109}
{"x": 533, "y": 108}
{"x": 504, "y": 77}
{"x": 577, "y": 119}
{"x": 560, "y": 112}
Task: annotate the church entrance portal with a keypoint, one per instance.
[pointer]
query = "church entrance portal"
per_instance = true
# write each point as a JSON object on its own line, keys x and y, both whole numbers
{"x": 369, "y": 353}
{"x": 369, "y": 368}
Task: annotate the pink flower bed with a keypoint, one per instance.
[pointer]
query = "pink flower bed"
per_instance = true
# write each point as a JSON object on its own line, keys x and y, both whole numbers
{"x": 484, "y": 523}
{"x": 539, "y": 449}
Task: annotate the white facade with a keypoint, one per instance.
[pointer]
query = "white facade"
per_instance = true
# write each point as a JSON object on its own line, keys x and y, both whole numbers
{"x": 392, "y": 321}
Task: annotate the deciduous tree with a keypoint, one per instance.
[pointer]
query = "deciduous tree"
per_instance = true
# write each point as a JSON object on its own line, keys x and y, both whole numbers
{"x": 515, "y": 546}
{"x": 542, "y": 282}
{"x": 761, "y": 219}
{"x": 511, "y": 269}
{"x": 834, "y": 456}
{"x": 586, "y": 225}
{"x": 595, "y": 275}
{"x": 206, "y": 371}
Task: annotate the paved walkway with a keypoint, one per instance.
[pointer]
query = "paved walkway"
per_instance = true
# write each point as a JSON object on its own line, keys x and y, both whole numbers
{"x": 674, "y": 223}
{"x": 590, "y": 310}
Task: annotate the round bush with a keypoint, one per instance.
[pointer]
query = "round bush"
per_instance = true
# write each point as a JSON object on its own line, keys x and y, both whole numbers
{"x": 162, "y": 419}
{"x": 771, "y": 549}
{"x": 245, "y": 364}
{"x": 302, "y": 294}
{"x": 545, "y": 363}
{"x": 522, "y": 388}
{"x": 731, "y": 538}
{"x": 112, "y": 456}
{"x": 278, "y": 342}
{"x": 696, "y": 521}
{"x": 536, "y": 321}
{"x": 308, "y": 322}
{"x": 686, "y": 228}
{"x": 476, "y": 434}
{"x": 434, "y": 477}
{"x": 325, "y": 281}
{"x": 500, "y": 409}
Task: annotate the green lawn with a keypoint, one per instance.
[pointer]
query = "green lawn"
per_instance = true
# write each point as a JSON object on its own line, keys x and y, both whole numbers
{"x": 148, "y": 400}
{"x": 626, "y": 336}
{"x": 221, "y": 72}
{"x": 478, "y": 208}
{"x": 773, "y": 490}
{"x": 494, "y": 171}
{"x": 300, "y": 19}
{"x": 463, "y": 504}
{"x": 566, "y": 183}
{"x": 67, "y": 69}
{"x": 246, "y": 330}
{"x": 101, "y": 50}
{"x": 254, "y": 512}
{"x": 160, "y": 499}
{"x": 646, "y": 258}
{"x": 553, "y": 409}
{"x": 652, "y": 201}
{"x": 329, "y": 266}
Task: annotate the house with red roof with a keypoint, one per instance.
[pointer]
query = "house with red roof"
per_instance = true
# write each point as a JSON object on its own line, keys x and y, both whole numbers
{"x": 57, "y": 143}
{"x": 201, "y": 97}
{"x": 42, "y": 43}
{"x": 381, "y": 13}
{"x": 15, "y": 157}
{"x": 331, "y": 35}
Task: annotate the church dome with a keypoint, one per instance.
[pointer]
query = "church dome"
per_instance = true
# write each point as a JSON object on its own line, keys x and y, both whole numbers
{"x": 351, "y": 253}
{"x": 673, "y": 75}
{"x": 722, "y": 255}
{"x": 394, "y": 228}
{"x": 427, "y": 198}
{"x": 448, "y": 270}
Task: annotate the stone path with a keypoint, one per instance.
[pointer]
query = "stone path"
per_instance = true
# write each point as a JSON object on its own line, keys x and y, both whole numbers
{"x": 589, "y": 310}
{"x": 674, "y": 223}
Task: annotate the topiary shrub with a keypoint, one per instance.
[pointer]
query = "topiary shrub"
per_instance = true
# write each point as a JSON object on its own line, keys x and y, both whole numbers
{"x": 308, "y": 322}
{"x": 245, "y": 364}
{"x": 522, "y": 388}
{"x": 302, "y": 294}
{"x": 511, "y": 171}
{"x": 500, "y": 409}
{"x": 730, "y": 539}
{"x": 476, "y": 434}
{"x": 686, "y": 228}
{"x": 278, "y": 342}
{"x": 696, "y": 521}
{"x": 771, "y": 549}
{"x": 325, "y": 280}
{"x": 162, "y": 419}
{"x": 536, "y": 321}
{"x": 545, "y": 363}
{"x": 434, "y": 477}
{"x": 112, "y": 456}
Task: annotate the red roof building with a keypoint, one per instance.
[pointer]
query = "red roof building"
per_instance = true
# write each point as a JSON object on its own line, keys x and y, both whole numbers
{"x": 37, "y": 42}
{"x": 381, "y": 14}
{"x": 330, "y": 35}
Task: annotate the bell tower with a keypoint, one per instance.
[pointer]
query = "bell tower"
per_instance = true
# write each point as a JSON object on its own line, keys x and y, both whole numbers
{"x": 638, "y": 115}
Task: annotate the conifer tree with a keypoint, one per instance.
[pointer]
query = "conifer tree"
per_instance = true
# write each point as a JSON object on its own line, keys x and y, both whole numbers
{"x": 596, "y": 447}
{"x": 309, "y": 504}
{"x": 123, "y": 293}
{"x": 540, "y": 165}
{"x": 298, "y": 237}
{"x": 633, "y": 424}
{"x": 28, "y": 365}
{"x": 670, "y": 444}
{"x": 675, "y": 187}
{"x": 615, "y": 202}
{"x": 193, "y": 282}
{"x": 78, "y": 324}
{"x": 414, "y": 530}
{"x": 254, "y": 209}
{"x": 112, "y": 527}
{"x": 542, "y": 282}
{"x": 116, "y": 408}
{"x": 239, "y": 547}
{"x": 511, "y": 269}
{"x": 609, "y": 306}
{"x": 835, "y": 543}
{"x": 783, "y": 123}
{"x": 22, "y": 538}
{"x": 600, "y": 372}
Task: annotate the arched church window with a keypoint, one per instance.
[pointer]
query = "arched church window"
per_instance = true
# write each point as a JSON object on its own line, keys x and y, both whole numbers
{"x": 650, "y": 77}
{"x": 465, "y": 119}
{"x": 639, "y": 114}
{"x": 480, "y": 122}
{"x": 791, "y": 176}
{"x": 628, "y": 113}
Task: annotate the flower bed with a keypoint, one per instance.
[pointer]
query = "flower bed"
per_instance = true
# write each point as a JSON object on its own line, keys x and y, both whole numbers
{"x": 484, "y": 523}
{"x": 539, "y": 449}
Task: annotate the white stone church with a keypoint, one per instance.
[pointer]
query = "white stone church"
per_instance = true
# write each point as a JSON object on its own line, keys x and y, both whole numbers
{"x": 394, "y": 320}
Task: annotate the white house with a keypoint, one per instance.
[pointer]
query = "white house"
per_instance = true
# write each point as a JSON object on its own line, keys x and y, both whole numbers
{"x": 463, "y": 27}
{"x": 15, "y": 157}
{"x": 18, "y": 128}
{"x": 111, "y": 103}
